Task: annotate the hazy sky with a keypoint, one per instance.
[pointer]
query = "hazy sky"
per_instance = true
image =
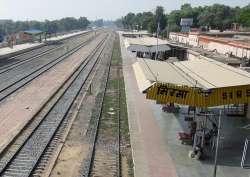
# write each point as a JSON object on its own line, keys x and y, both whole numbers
{"x": 92, "y": 9}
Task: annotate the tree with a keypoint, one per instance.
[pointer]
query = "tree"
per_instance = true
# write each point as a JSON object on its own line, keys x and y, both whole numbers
{"x": 217, "y": 16}
{"x": 174, "y": 19}
{"x": 98, "y": 23}
{"x": 83, "y": 22}
{"x": 65, "y": 24}
{"x": 187, "y": 11}
{"x": 129, "y": 20}
{"x": 244, "y": 16}
{"x": 160, "y": 17}
{"x": 147, "y": 17}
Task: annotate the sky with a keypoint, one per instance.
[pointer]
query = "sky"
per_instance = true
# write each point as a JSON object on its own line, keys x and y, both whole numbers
{"x": 92, "y": 9}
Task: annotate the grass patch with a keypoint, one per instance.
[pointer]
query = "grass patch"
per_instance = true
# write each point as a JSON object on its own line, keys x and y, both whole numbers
{"x": 113, "y": 84}
{"x": 124, "y": 129}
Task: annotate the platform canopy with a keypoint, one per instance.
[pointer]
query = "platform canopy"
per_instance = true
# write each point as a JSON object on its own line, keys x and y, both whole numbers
{"x": 146, "y": 44}
{"x": 201, "y": 82}
{"x": 136, "y": 33}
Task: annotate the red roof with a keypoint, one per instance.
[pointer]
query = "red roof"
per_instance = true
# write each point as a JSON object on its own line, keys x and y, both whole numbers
{"x": 231, "y": 42}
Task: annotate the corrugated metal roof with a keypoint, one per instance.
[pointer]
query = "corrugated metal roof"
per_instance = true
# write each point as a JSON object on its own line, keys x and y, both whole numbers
{"x": 142, "y": 82}
{"x": 204, "y": 73}
{"x": 146, "y": 41}
{"x": 213, "y": 74}
{"x": 146, "y": 44}
{"x": 136, "y": 33}
{"x": 151, "y": 49}
{"x": 164, "y": 72}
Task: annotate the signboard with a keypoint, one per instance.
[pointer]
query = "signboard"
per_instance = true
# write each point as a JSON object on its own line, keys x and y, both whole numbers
{"x": 185, "y": 24}
{"x": 186, "y": 21}
{"x": 169, "y": 93}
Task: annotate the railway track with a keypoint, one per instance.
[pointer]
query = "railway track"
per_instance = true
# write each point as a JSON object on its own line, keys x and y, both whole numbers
{"x": 12, "y": 87}
{"x": 107, "y": 162}
{"x": 30, "y": 55}
{"x": 18, "y": 59}
{"x": 21, "y": 157}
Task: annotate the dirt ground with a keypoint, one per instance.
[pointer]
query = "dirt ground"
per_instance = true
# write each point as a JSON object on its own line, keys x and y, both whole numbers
{"x": 75, "y": 149}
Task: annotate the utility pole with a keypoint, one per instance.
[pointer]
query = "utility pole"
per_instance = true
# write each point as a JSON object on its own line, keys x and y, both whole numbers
{"x": 217, "y": 146}
{"x": 157, "y": 35}
{"x": 168, "y": 28}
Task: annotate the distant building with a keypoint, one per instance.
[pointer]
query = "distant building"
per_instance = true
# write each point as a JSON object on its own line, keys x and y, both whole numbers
{"x": 236, "y": 44}
{"x": 34, "y": 34}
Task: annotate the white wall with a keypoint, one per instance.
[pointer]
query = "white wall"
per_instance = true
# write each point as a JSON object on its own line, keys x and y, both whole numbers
{"x": 193, "y": 40}
{"x": 178, "y": 38}
{"x": 173, "y": 37}
{"x": 221, "y": 48}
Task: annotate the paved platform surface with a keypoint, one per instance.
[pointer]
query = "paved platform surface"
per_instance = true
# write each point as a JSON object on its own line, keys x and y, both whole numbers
{"x": 151, "y": 158}
{"x": 20, "y": 107}
{"x": 155, "y": 145}
{"x": 16, "y": 48}
{"x": 60, "y": 37}
{"x": 230, "y": 148}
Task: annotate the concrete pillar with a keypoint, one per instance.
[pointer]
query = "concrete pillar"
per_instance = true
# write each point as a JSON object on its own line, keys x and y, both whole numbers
{"x": 248, "y": 111}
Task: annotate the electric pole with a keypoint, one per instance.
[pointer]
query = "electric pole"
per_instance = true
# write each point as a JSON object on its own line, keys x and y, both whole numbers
{"x": 157, "y": 35}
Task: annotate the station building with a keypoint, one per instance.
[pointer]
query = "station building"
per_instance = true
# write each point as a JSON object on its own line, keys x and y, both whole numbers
{"x": 227, "y": 43}
{"x": 147, "y": 47}
{"x": 208, "y": 86}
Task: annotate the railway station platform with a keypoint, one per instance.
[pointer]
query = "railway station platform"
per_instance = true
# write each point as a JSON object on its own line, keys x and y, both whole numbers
{"x": 151, "y": 159}
{"x": 156, "y": 149}
{"x": 7, "y": 52}
{"x": 18, "y": 49}
{"x": 233, "y": 134}
{"x": 66, "y": 36}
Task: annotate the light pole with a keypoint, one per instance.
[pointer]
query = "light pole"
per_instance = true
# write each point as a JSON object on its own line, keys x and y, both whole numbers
{"x": 157, "y": 35}
{"x": 217, "y": 146}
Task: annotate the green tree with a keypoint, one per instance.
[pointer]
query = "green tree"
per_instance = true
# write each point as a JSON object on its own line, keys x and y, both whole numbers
{"x": 160, "y": 18}
{"x": 187, "y": 11}
{"x": 129, "y": 20}
{"x": 174, "y": 19}
{"x": 83, "y": 22}
{"x": 217, "y": 16}
{"x": 147, "y": 17}
{"x": 244, "y": 16}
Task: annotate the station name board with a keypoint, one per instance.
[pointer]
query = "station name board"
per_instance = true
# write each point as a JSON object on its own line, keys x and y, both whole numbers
{"x": 166, "y": 93}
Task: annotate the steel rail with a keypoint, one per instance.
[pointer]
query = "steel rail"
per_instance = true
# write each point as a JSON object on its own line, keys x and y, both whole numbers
{"x": 43, "y": 134}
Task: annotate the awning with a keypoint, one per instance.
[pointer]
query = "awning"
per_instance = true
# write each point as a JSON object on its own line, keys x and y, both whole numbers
{"x": 200, "y": 82}
{"x": 147, "y": 41}
{"x": 137, "y": 33}
{"x": 150, "y": 49}
{"x": 142, "y": 82}
{"x": 146, "y": 44}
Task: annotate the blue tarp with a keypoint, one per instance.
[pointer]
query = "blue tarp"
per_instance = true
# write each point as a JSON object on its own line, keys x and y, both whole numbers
{"x": 1, "y": 38}
{"x": 33, "y": 31}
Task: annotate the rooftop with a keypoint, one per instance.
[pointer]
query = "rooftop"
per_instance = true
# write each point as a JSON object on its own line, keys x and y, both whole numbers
{"x": 146, "y": 41}
{"x": 204, "y": 73}
{"x": 146, "y": 44}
